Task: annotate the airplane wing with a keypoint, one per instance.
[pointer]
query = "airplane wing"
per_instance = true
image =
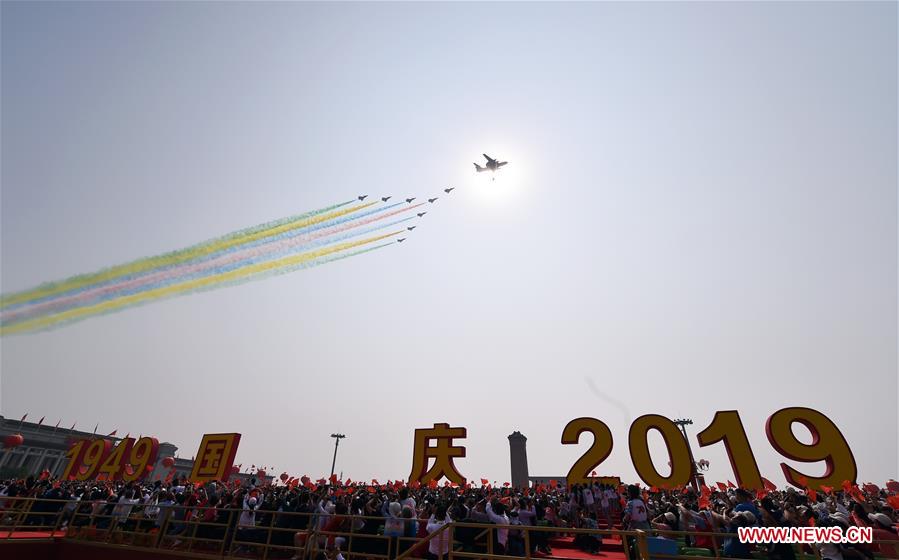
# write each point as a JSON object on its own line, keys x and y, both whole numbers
{"x": 490, "y": 159}
{"x": 502, "y": 163}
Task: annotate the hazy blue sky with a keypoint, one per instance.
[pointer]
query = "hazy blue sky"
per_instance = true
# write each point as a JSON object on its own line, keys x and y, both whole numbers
{"x": 699, "y": 214}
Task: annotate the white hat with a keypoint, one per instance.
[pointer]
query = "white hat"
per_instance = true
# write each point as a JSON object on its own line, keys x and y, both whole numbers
{"x": 395, "y": 509}
{"x": 881, "y": 518}
{"x": 840, "y": 518}
{"x": 252, "y": 501}
{"x": 670, "y": 517}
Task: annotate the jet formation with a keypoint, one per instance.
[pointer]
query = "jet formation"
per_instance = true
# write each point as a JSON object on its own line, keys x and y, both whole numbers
{"x": 492, "y": 165}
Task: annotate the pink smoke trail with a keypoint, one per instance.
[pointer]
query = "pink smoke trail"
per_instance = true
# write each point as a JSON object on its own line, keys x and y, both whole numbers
{"x": 183, "y": 270}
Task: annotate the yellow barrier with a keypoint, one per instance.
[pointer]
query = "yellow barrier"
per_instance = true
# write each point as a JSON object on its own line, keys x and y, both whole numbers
{"x": 299, "y": 536}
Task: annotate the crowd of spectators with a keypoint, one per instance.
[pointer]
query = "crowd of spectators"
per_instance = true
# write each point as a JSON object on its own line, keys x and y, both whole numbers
{"x": 247, "y": 515}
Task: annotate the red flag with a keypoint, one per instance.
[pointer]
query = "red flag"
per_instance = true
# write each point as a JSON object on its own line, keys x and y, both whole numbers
{"x": 871, "y": 488}
{"x": 415, "y": 484}
{"x": 348, "y": 482}
{"x": 857, "y": 494}
{"x": 704, "y": 502}
{"x": 892, "y": 486}
{"x": 112, "y": 433}
{"x": 506, "y": 484}
{"x": 705, "y": 490}
{"x": 374, "y": 482}
{"x": 730, "y": 484}
{"x": 812, "y": 495}
{"x": 333, "y": 479}
{"x": 847, "y": 486}
{"x": 722, "y": 486}
{"x": 653, "y": 489}
{"x": 827, "y": 489}
{"x": 760, "y": 494}
{"x": 484, "y": 482}
{"x": 45, "y": 474}
{"x": 432, "y": 483}
{"x": 769, "y": 486}
{"x": 893, "y": 501}
{"x": 553, "y": 483}
{"x": 803, "y": 482}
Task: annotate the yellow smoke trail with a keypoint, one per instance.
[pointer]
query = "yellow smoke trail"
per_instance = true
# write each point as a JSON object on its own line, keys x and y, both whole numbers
{"x": 168, "y": 260}
{"x": 175, "y": 289}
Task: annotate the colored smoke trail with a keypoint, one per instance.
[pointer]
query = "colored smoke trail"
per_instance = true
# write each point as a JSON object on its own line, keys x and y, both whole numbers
{"x": 180, "y": 256}
{"x": 221, "y": 264}
{"x": 184, "y": 287}
{"x": 238, "y": 245}
{"x": 227, "y": 284}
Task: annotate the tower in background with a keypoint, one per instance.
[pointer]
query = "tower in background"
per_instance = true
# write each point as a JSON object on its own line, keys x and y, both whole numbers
{"x": 518, "y": 453}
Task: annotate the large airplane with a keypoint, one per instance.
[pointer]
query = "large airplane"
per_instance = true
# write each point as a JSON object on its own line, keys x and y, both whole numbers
{"x": 492, "y": 164}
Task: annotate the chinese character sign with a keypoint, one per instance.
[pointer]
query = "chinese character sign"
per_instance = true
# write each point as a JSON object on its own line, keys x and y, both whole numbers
{"x": 215, "y": 457}
{"x": 443, "y": 452}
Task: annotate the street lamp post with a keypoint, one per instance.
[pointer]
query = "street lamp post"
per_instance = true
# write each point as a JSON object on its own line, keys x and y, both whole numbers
{"x": 337, "y": 438}
{"x": 682, "y": 423}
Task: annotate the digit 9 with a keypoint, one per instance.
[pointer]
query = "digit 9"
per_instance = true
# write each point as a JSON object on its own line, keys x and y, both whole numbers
{"x": 93, "y": 457}
{"x": 143, "y": 453}
{"x": 828, "y": 445}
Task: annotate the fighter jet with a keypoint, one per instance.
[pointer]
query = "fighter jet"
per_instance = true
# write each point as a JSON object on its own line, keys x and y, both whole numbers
{"x": 385, "y": 198}
{"x": 409, "y": 200}
{"x": 432, "y": 200}
{"x": 449, "y": 190}
{"x": 362, "y": 197}
{"x": 492, "y": 165}
{"x": 400, "y": 240}
{"x": 410, "y": 228}
{"x": 420, "y": 214}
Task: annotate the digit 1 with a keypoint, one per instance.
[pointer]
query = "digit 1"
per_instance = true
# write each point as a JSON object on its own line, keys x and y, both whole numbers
{"x": 74, "y": 454}
{"x": 726, "y": 426}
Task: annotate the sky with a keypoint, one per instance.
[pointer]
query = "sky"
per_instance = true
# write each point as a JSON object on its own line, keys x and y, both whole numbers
{"x": 699, "y": 214}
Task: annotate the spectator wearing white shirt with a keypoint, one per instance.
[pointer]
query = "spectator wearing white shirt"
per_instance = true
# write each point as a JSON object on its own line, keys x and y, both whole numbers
{"x": 438, "y": 546}
{"x": 497, "y": 515}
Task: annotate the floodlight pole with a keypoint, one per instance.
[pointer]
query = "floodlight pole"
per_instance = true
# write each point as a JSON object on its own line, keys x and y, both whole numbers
{"x": 682, "y": 423}
{"x": 337, "y": 438}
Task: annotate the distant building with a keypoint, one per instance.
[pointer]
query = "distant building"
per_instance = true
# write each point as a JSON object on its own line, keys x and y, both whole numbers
{"x": 45, "y": 448}
{"x": 518, "y": 457}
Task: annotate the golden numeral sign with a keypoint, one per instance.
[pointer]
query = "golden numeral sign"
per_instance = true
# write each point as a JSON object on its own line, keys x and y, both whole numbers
{"x": 828, "y": 445}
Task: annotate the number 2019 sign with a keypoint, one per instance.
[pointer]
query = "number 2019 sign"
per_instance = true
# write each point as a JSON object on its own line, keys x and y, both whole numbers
{"x": 827, "y": 445}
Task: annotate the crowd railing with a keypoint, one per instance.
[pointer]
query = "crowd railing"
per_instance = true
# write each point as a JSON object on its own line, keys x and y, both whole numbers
{"x": 224, "y": 532}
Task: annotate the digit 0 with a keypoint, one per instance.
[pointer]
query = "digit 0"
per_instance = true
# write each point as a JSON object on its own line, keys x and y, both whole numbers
{"x": 679, "y": 455}
{"x": 828, "y": 445}
{"x": 601, "y": 448}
